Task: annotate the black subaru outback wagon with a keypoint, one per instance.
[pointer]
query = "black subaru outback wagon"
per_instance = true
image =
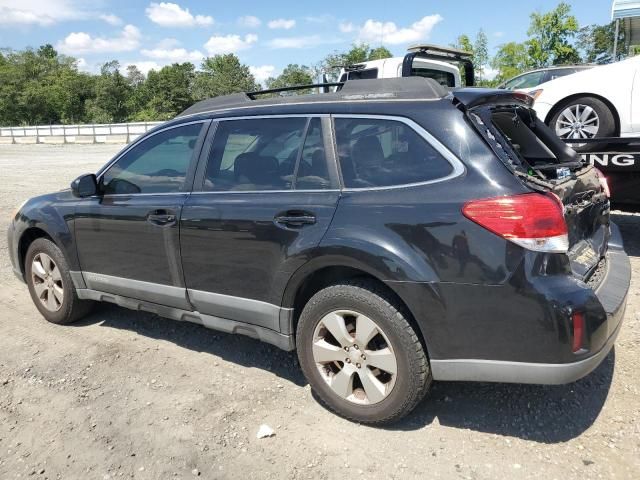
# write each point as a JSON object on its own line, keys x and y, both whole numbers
{"x": 392, "y": 232}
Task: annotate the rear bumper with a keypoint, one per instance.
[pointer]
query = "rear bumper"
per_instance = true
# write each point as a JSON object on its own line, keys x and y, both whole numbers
{"x": 612, "y": 297}
{"x": 520, "y": 372}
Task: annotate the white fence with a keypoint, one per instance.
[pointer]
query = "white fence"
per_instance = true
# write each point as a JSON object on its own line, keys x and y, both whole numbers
{"x": 98, "y": 133}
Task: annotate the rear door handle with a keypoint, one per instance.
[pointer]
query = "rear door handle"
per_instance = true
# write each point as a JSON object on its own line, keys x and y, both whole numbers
{"x": 295, "y": 219}
{"x": 162, "y": 218}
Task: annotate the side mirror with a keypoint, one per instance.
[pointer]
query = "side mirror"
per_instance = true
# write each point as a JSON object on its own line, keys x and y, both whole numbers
{"x": 84, "y": 186}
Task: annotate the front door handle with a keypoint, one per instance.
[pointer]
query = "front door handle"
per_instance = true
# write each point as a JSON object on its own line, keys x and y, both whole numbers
{"x": 161, "y": 218}
{"x": 295, "y": 219}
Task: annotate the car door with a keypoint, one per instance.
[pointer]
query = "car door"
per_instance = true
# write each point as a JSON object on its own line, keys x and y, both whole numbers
{"x": 127, "y": 236}
{"x": 268, "y": 192}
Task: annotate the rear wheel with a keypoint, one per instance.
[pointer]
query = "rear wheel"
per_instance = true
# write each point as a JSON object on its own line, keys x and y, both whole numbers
{"x": 360, "y": 354}
{"x": 50, "y": 285}
{"x": 583, "y": 117}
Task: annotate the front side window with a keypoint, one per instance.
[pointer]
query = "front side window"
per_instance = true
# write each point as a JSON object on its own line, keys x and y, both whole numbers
{"x": 385, "y": 152}
{"x": 158, "y": 164}
{"x": 267, "y": 154}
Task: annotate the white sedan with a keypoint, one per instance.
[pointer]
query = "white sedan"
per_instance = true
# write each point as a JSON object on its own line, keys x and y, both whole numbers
{"x": 601, "y": 102}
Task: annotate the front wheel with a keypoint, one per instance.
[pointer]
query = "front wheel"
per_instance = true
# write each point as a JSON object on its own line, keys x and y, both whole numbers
{"x": 584, "y": 117}
{"x": 49, "y": 281}
{"x": 360, "y": 354}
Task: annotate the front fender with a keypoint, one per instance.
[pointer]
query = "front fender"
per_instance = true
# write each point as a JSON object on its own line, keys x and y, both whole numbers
{"x": 52, "y": 214}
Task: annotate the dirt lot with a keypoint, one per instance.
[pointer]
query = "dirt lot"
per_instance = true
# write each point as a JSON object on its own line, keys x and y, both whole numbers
{"x": 126, "y": 394}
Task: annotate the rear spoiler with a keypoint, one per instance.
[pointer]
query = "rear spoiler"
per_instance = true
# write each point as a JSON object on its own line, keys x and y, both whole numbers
{"x": 475, "y": 97}
{"x": 435, "y": 52}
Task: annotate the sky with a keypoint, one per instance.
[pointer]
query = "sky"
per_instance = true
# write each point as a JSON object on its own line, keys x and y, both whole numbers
{"x": 266, "y": 35}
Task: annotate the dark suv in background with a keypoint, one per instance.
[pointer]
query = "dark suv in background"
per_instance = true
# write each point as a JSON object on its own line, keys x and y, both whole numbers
{"x": 392, "y": 232}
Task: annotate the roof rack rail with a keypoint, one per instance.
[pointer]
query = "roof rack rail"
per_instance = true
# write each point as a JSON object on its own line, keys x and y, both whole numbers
{"x": 292, "y": 88}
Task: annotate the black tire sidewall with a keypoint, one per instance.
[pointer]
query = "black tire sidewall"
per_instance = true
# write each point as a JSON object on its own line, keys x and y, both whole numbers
{"x": 65, "y": 313}
{"x": 607, "y": 126}
{"x": 394, "y": 325}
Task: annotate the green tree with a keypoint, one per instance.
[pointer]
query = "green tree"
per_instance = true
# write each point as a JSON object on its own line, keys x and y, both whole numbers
{"x": 112, "y": 91}
{"x": 510, "y": 60}
{"x": 379, "y": 53}
{"x": 169, "y": 91}
{"x": 222, "y": 75}
{"x": 596, "y": 42}
{"x": 293, "y": 74}
{"x": 549, "y": 35}
{"x": 480, "y": 55}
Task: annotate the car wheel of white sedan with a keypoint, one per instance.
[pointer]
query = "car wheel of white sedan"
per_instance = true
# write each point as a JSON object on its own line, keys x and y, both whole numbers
{"x": 583, "y": 118}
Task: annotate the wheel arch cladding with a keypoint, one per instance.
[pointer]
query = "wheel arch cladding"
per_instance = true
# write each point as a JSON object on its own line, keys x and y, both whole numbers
{"x": 562, "y": 103}
{"x": 30, "y": 235}
{"x": 301, "y": 289}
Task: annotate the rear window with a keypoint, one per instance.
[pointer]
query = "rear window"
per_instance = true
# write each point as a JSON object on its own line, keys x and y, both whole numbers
{"x": 525, "y": 143}
{"x": 365, "y": 74}
{"x": 385, "y": 152}
{"x": 446, "y": 79}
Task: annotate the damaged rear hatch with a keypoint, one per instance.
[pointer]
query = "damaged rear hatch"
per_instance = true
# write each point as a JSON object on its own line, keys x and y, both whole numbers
{"x": 529, "y": 149}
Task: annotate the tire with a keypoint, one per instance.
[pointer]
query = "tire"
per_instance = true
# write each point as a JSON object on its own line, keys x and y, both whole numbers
{"x": 599, "y": 119}
{"x": 47, "y": 274}
{"x": 356, "y": 305}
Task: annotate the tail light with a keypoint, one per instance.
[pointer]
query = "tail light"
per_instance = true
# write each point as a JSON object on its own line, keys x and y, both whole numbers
{"x": 603, "y": 183}
{"x": 533, "y": 220}
{"x": 578, "y": 331}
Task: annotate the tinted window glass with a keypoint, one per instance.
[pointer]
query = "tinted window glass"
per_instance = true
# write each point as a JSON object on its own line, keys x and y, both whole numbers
{"x": 528, "y": 80}
{"x": 258, "y": 154}
{"x": 561, "y": 72}
{"x": 312, "y": 173}
{"x": 157, "y": 164}
{"x": 363, "y": 74}
{"x": 377, "y": 153}
{"x": 446, "y": 79}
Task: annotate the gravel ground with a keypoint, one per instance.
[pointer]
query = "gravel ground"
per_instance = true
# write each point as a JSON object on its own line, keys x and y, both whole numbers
{"x": 128, "y": 394}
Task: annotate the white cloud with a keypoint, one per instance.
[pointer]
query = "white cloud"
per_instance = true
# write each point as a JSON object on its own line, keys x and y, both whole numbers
{"x": 346, "y": 27}
{"x": 282, "y": 23}
{"x": 167, "y": 43}
{"x": 488, "y": 73}
{"x": 174, "y": 55}
{"x": 307, "y": 41}
{"x": 83, "y": 66}
{"x": 319, "y": 18}
{"x": 39, "y": 12}
{"x": 111, "y": 19}
{"x": 80, "y": 42}
{"x": 220, "y": 44}
{"x": 249, "y": 21}
{"x": 374, "y": 31}
{"x": 498, "y": 34}
{"x": 168, "y": 14}
{"x": 262, "y": 72}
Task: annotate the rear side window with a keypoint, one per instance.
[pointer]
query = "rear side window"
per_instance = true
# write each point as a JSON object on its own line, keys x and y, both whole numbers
{"x": 267, "y": 154}
{"x": 385, "y": 152}
{"x": 312, "y": 172}
{"x": 158, "y": 164}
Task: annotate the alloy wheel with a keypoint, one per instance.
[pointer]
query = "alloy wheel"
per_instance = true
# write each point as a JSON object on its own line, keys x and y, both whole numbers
{"x": 354, "y": 357}
{"x": 576, "y": 122}
{"x": 47, "y": 282}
